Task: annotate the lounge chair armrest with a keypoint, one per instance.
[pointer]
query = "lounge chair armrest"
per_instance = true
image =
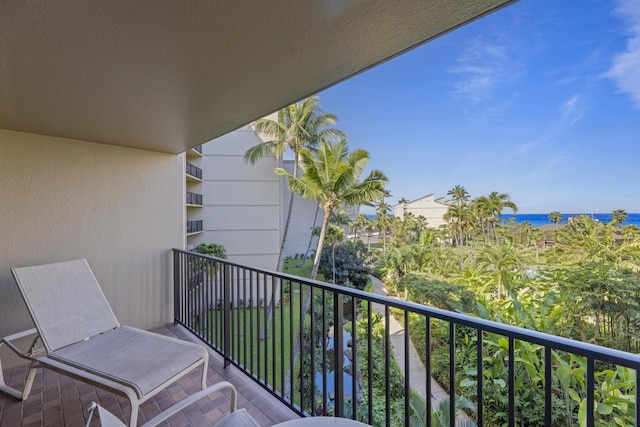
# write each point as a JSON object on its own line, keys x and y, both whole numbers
{"x": 162, "y": 416}
{"x": 8, "y": 340}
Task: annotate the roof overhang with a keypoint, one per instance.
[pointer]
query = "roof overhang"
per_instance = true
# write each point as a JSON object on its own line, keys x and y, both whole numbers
{"x": 167, "y": 75}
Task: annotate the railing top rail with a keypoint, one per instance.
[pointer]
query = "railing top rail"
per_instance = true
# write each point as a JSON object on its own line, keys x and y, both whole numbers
{"x": 604, "y": 354}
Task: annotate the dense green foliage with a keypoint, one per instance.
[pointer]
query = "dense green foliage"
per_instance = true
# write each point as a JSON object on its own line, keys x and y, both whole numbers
{"x": 351, "y": 261}
{"x": 212, "y": 249}
{"x": 332, "y": 177}
{"x": 579, "y": 281}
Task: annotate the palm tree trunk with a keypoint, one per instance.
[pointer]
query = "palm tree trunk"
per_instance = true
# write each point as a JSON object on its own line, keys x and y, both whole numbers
{"x": 288, "y": 220}
{"x": 307, "y": 297}
{"x": 276, "y": 282}
{"x": 323, "y": 232}
{"x": 306, "y": 254}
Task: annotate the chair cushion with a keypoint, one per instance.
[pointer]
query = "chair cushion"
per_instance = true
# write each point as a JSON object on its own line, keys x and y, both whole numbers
{"x": 132, "y": 357}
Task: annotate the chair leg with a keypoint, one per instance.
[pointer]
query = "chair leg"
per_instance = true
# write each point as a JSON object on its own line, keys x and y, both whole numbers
{"x": 133, "y": 420}
{"x": 4, "y": 387}
{"x": 21, "y": 395}
{"x": 30, "y": 377}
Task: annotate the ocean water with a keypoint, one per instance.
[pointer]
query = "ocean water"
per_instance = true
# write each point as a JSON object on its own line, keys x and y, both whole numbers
{"x": 541, "y": 219}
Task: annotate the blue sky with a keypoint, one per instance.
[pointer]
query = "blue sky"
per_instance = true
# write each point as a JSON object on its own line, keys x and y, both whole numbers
{"x": 540, "y": 100}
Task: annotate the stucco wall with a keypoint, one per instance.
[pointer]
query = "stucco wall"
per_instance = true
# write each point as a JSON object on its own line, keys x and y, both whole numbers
{"x": 427, "y": 206}
{"x": 241, "y": 202}
{"x": 121, "y": 209}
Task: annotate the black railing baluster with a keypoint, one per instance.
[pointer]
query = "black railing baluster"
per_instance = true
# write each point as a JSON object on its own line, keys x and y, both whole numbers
{"x": 591, "y": 387}
{"x": 266, "y": 328}
{"x": 282, "y": 364}
{"x": 387, "y": 364}
{"x": 227, "y": 315}
{"x": 354, "y": 360}
{"x": 176, "y": 287}
{"x": 369, "y": 362}
{"x": 229, "y": 302}
{"x": 637, "y": 397}
{"x": 407, "y": 369}
{"x": 548, "y": 367}
{"x": 244, "y": 317}
{"x": 219, "y": 301}
{"x": 291, "y": 345}
{"x": 272, "y": 327}
{"x": 428, "y": 368}
{"x": 313, "y": 357}
{"x": 480, "y": 378}
{"x": 324, "y": 353}
{"x": 338, "y": 351}
{"x": 252, "y": 335}
{"x": 512, "y": 382}
{"x": 301, "y": 338}
{"x": 452, "y": 374}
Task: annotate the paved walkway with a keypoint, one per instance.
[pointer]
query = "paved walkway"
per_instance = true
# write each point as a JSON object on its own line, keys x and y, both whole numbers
{"x": 417, "y": 370}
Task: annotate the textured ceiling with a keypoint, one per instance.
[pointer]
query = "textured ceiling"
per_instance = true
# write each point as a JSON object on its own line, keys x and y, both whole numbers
{"x": 167, "y": 75}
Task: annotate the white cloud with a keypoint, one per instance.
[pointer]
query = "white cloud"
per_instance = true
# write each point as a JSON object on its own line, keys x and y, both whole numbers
{"x": 625, "y": 70}
{"x": 528, "y": 147}
{"x": 482, "y": 67}
{"x": 572, "y": 110}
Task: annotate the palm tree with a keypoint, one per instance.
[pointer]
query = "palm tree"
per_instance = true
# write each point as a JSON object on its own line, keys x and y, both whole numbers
{"x": 332, "y": 177}
{"x": 301, "y": 125}
{"x": 500, "y": 260}
{"x": 360, "y": 223}
{"x": 483, "y": 213}
{"x": 618, "y": 216}
{"x": 555, "y": 217}
{"x": 334, "y": 236}
{"x": 341, "y": 219}
{"x": 383, "y": 221}
{"x": 459, "y": 195}
{"x": 421, "y": 225}
{"x": 497, "y": 203}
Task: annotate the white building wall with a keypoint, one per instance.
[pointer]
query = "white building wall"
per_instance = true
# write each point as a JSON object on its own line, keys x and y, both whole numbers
{"x": 429, "y": 207}
{"x": 121, "y": 209}
{"x": 241, "y": 202}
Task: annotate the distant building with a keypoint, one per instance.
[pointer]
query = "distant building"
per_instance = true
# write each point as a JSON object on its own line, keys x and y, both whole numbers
{"x": 428, "y": 206}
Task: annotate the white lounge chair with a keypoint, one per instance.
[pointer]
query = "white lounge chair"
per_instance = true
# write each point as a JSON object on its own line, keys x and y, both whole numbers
{"x": 83, "y": 339}
{"x": 235, "y": 418}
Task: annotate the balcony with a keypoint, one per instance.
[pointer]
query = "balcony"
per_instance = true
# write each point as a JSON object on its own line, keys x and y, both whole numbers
{"x": 195, "y": 151}
{"x": 194, "y": 226}
{"x": 193, "y": 172}
{"x": 274, "y": 336}
{"x": 194, "y": 199}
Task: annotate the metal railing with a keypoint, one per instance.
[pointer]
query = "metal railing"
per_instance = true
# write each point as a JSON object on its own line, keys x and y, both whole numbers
{"x": 194, "y": 198}
{"x": 194, "y": 226}
{"x": 322, "y": 350}
{"x": 193, "y": 170}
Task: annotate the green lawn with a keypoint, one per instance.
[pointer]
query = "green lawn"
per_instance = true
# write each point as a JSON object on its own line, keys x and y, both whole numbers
{"x": 291, "y": 267}
{"x": 268, "y": 357}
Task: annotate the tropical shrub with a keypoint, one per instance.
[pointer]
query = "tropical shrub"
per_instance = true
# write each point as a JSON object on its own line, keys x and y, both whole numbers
{"x": 353, "y": 264}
